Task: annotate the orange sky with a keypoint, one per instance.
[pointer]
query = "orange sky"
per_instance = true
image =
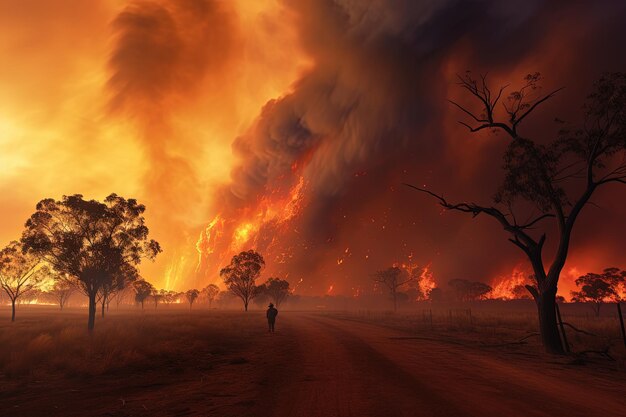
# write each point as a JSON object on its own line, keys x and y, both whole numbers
{"x": 58, "y": 135}
{"x": 209, "y": 108}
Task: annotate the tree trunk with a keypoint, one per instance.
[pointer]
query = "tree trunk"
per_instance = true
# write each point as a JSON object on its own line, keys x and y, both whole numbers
{"x": 546, "y": 305}
{"x": 92, "y": 312}
{"x": 245, "y": 306}
{"x": 13, "y": 310}
{"x": 395, "y": 302}
{"x": 102, "y": 308}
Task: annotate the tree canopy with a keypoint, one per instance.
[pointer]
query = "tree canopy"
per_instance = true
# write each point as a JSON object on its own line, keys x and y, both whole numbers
{"x": 277, "y": 289}
{"x": 93, "y": 244}
{"x": 599, "y": 288}
{"x": 20, "y": 273}
{"x": 241, "y": 274}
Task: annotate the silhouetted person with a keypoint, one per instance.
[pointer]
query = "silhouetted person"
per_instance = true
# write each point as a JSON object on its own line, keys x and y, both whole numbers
{"x": 271, "y": 317}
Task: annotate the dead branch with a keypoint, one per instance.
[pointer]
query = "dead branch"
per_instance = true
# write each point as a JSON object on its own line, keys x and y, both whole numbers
{"x": 578, "y": 330}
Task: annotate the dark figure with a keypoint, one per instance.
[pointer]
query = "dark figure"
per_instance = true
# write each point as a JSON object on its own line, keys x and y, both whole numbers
{"x": 271, "y": 317}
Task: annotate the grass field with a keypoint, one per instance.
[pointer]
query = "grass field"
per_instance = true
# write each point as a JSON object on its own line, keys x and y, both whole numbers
{"x": 188, "y": 362}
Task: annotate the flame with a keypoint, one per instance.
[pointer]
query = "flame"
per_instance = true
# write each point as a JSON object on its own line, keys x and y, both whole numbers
{"x": 426, "y": 282}
{"x": 508, "y": 287}
{"x": 330, "y": 289}
{"x": 273, "y": 212}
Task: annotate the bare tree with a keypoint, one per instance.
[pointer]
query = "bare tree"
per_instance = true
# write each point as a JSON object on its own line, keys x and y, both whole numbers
{"x": 210, "y": 292}
{"x": 392, "y": 278}
{"x": 241, "y": 274}
{"x": 191, "y": 296}
{"x": 20, "y": 273}
{"x": 551, "y": 182}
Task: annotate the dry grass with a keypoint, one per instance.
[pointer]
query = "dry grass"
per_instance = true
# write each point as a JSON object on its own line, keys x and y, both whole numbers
{"x": 496, "y": 326}
{"x": 44, "y": 341}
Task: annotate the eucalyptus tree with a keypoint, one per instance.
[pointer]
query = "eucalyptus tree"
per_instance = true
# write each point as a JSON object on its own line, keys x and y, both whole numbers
{"x": 90, "y": 243}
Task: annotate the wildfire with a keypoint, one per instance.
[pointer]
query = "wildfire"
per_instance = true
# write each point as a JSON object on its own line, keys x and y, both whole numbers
{"x": 427, "y": 281}
{"x": 224, "y": 237}
{"x": 423, "y": 276}
{"x": 243, "y": 234}
{"x": 510, "y": 287}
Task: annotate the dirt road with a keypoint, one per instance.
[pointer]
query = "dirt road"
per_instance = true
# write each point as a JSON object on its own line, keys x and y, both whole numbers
{"x": 330, "y": 367}
{"x": 226, "y": 364}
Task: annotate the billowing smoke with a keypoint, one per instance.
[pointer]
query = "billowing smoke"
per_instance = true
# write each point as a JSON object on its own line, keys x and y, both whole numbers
{"x": 371, "y": 113}
{"x": 164, "y": 53}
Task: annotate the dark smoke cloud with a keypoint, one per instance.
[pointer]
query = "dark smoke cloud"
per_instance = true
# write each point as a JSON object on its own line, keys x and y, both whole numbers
{"x": 371, "y": 114}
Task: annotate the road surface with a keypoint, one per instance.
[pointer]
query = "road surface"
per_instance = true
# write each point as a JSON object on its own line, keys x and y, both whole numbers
{"x": 331, "y": 367}
{"x": 316, "y": 366}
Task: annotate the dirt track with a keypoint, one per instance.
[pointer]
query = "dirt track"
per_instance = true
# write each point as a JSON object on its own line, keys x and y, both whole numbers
{"x": 317, "y": 365}
{"x": 343, "y": 368}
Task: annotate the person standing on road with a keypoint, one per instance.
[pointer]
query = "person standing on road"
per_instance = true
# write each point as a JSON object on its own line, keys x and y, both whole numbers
{"x": 271, "y": 317}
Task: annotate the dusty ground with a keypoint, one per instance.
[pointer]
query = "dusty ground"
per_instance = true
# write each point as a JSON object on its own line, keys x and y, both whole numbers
{"x": 313, "y": 366}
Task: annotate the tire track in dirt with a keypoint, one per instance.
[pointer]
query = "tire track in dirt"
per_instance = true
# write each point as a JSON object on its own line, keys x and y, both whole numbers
{"x": 329, "y": 367}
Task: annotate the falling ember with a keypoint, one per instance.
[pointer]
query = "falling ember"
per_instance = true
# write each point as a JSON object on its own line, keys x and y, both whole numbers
{"x": 330, "y": 289}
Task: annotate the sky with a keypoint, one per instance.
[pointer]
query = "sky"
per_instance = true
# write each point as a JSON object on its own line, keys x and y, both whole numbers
{"x": 289, "y": 126}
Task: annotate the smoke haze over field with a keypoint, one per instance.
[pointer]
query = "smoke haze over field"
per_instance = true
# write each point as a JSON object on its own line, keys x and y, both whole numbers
{"x": 289, "y": 126}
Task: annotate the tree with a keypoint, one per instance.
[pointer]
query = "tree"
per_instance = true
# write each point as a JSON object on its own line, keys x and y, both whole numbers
{"x": 169, "y": 296}
{"x": 599, "y": 288}
{"x": 551, "y": 182}
{"x": 277, "y": 289}
{"x": 191, "y": 296}
{"x": 157, "y": 297}
{"x": 121, "y": 279}
{"x": 469, "y": 290}
{"x": 122, "y": 295}
{"x": 89, "y": 242}
{"x": 143, "y": 290}
{"x": 241, "y": 274}
{"x": 210, "y": 292}
{"x": 261, "y": 296}
{"x": 414, "y": 288}
{"x": 62, "y": 291}
{"x": 392, "y": 278}
{"x": 20, "y": 273}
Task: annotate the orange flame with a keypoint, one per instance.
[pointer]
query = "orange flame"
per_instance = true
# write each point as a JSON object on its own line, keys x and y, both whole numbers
{"x": 510, "y": 287}
{"x": 270, "y": 211}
